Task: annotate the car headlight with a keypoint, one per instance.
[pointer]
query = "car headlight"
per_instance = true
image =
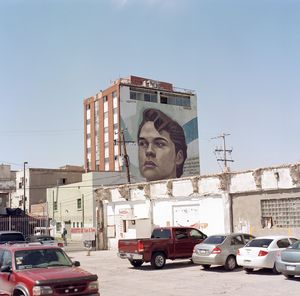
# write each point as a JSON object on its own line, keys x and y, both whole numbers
{"x": 93, "y": 285}
{"x": 42, "y": 290}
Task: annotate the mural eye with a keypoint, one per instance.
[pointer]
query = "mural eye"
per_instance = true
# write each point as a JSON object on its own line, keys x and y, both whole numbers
{"x": 142, "y": 143}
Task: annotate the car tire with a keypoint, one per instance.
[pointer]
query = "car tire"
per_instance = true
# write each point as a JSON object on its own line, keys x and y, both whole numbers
{"x": 136, "y": 263}
{"x": 248, "y": 270}
{"x": 158, "y": 260}
{"x": 230, "y": 263}
{"x": 205, "y": 266}
{"x": 274, "y": 269}
{"x": 289, "y": 276}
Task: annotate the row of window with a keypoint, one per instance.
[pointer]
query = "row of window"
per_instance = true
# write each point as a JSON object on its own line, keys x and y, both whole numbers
{"x": 164, "y": 98}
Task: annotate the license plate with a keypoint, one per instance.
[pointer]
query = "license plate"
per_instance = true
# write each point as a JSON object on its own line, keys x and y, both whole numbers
{"x": 288, "y": 267}
{"x": 247, "y": 260}
{"x": 202, "y": 251}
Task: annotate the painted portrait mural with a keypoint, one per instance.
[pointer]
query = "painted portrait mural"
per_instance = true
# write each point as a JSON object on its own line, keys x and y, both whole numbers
{"x": 164, "y": 140}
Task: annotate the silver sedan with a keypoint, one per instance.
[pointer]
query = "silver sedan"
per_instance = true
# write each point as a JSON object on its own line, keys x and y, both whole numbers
{"x": 220, "y": 250}
{"x": 288, "y": 261}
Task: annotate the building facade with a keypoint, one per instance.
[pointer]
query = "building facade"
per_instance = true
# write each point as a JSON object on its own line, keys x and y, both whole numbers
{"x": 261, "y": 202}
{"x": 73, "y": 206}
{"x": 7, "y": 186}
{"x": 36, "y": 182}
{"x": 112, "y": 118}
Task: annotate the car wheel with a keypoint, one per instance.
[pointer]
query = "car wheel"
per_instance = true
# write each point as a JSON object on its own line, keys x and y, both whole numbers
{"x": 205, "y": 266}
{"x": 248, "y": 270}
{"x": 289, "y": 276}
{"x": 230, "y": 263}
{"x": 136, "y": 263}
{"x": 274, "y": 270}
{"x": 158, "y": 260}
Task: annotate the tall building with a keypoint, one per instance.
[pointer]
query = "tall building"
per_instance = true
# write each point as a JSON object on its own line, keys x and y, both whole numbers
{"x": 112, "y": 118}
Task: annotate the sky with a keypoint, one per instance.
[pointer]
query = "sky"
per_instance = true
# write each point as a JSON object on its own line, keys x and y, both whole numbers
{"x": 242, "y": 57}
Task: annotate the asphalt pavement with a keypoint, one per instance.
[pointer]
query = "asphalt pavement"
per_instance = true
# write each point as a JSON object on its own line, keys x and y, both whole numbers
{"x": 177, "y": 278}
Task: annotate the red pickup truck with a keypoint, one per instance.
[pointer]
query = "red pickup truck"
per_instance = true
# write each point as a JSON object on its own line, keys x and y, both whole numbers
{"x": 165, "y": 243}
{"x": 32, "y": 270}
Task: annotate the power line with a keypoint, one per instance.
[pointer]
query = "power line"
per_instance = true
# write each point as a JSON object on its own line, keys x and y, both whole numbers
{"x": 223, "y": 151}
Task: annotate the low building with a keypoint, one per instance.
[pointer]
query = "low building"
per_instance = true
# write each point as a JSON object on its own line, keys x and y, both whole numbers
{"x": 36, "y": 182}
{"x": 261, "y": 201}
{"x": 74, "y": 207}
{"x": 7, "y": 186}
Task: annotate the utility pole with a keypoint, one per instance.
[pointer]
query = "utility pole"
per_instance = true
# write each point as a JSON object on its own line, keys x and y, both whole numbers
{"x": 126, "y": 157}
{"x": 24, "y": 184}
{"x": 224, "y": 151}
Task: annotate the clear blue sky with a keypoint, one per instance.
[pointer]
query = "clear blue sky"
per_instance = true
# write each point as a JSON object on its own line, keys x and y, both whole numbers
{"x": 242, "y": 57}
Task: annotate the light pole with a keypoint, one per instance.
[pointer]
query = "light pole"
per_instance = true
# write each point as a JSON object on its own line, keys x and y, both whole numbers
{"x": 24, "y": 183}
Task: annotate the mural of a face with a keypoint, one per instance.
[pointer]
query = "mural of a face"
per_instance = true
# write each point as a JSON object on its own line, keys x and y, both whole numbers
{"x": 158, "y": 158}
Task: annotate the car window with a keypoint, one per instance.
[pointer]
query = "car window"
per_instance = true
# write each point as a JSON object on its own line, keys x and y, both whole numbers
{"x": 161, "y": 233}
{"x": 248, "y": 237}
{"x": 195, "y": 234}
{"x": 1, "y": 257}
{"x": 7, "y": 259}
{"x": 237, "y": 240}
{"x": 181, "y": 233}
{"x": 41, "y": 258}
{"x": 7, "y": 237}
{"x": 293, "y": 240}
{"x": 295, "y": 245}
{"x": 260, "y": 243}
{"x": 283, "y": 243}
{"x": 214, "y": 239}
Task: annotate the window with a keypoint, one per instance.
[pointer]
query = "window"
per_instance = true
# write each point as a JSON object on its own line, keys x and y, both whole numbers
{"x": 106, "y": 115}
{"x": 114, "y": 94}
{"x": 259, "y": 243}
{"x": 281, "y": 212}
{"x": 55, "y": 206}
{"x": 164, "y": 100}
{"x": 237, "y": 240}
{"x": 248, "y": 237}
{"x": 78, "y": 203}
{"x": 196, "y": 234}
{"x": 283, "y": 243}
{"x": 105, "y": 99}
{"x": 215, "y": 239}
{"x": 161, "y": 233}
{"x": 181, "y": 234}
{"x": 88, "y": 107}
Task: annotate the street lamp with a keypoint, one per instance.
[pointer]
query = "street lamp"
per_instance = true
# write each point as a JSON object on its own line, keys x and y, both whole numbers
{"x": 24, "y": 197}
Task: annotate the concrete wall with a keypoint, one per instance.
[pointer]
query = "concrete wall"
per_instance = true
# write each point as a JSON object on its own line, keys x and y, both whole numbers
{"x": 214, "y": 204}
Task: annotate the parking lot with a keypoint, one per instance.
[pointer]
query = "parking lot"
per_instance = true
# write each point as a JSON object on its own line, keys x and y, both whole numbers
{"x": 118, "y": 277}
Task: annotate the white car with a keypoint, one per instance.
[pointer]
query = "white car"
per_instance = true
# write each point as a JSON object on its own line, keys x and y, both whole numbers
{"x": 261, "y": 252}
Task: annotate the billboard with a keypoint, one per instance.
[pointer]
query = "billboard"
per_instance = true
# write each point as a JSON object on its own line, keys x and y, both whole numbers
{"x": 162, "y": 133}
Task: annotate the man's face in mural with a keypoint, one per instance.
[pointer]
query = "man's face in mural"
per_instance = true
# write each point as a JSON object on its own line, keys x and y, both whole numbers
{"x": 157, "y": 156}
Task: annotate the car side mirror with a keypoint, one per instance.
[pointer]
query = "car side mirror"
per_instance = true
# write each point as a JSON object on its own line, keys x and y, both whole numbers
{"x": 76, "y": 263}
{"x": 5, "y": 268}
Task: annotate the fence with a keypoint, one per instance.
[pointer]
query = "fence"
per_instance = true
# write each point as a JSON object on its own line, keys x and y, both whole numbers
{"x": 24, "y": 224}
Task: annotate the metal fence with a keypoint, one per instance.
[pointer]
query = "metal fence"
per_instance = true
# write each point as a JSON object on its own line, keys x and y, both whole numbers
{"x": 24, "y": 224}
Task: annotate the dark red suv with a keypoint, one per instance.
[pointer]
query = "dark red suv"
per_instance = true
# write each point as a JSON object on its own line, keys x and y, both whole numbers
{"x": 37, "y": 270}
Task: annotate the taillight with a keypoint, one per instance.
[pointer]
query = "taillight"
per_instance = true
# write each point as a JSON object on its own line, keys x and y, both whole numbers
{"x": 60, "y": 245}
{"x": 216, "y": 250}
{"x": 140, "y": 246}
{"x": 195, "y": 250}
{"x": 238, "y": 253}
{"x": 262, "y": 253}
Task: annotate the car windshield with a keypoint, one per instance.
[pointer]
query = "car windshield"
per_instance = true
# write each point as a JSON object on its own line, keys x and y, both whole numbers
{"x": 41, "y": 258}
{"x": 214, "y": 239}
{"x": 259, "y": 243}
